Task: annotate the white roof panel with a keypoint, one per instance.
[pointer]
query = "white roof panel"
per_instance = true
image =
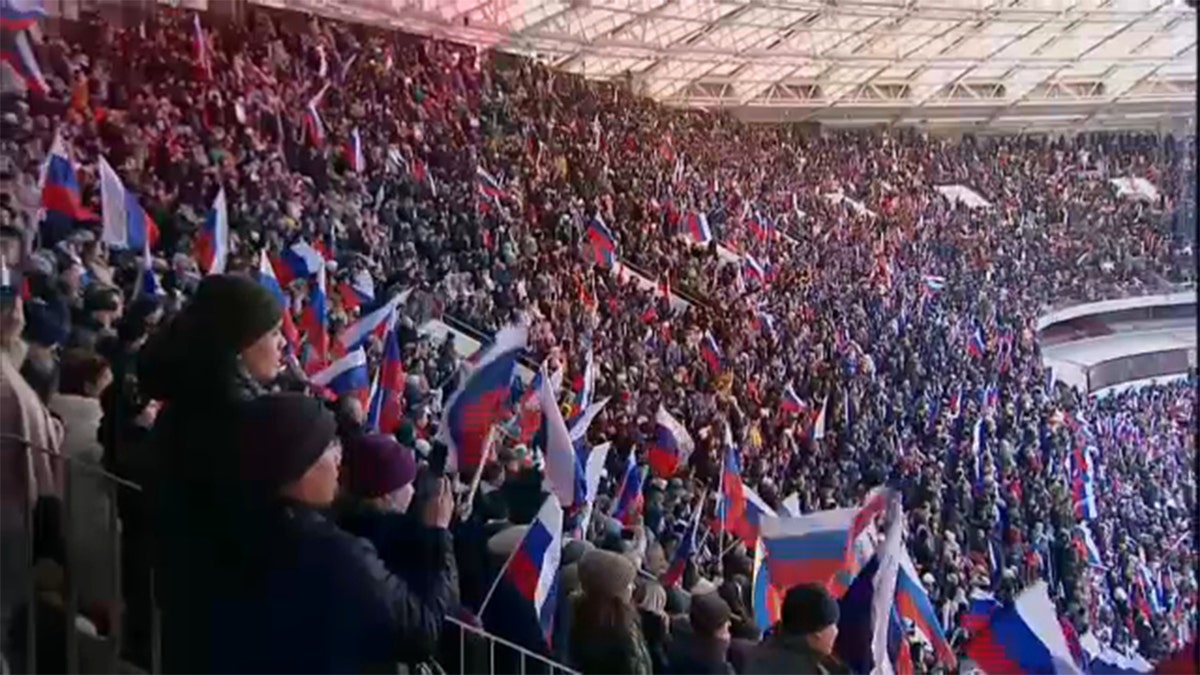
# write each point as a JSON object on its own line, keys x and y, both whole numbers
{"x": 908, "y": 56}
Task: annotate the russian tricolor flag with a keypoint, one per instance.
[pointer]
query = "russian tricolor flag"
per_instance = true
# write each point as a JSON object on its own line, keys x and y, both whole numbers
{"x": 266, "y": 277}
{"x": 313, "y": 124}
{"x": 580, "y": 424}
{"x": 593, "y": 471}
{"x": 387, "y": 409}
{"x": 759, "y": 226}
{"x": 791, "y": 402}
{"x": 21, "y": 14}
{"x": 482, "y": 401}
{"x": 976, "y": 345}
{"x": 126, "y": 225}
{"x": 711, "y": 352}
{"x": 755, "y": 269}
{"x": 603, "y": 245}
{"x": 697, "y": 225}
{"x": 731, "y": 497}
{"x": 61, "y": 197}
{"x": 912, "y": 602}
{"x": 200, "y": 47}
{"x": 818, "y": 428}
{"x": 822, "y": 547}
{"x": 766, "y": 597}
{"x": 313, "y": 322}
{"x": 629, "y": 494}
{"x": 683, "y": 553}
{"x": 354, "y": 152}
{"x": 150, "y": 285}
{"x": 359, "y": 291}
{"x": 533, "y": 567}
{"x": 374, "y": 323}
{"x": 19, "y": 54}
{"x": 212, "y": 246}
{"x": 488, "y": 185}
{"x": 933, "y": 283}
{"x": 672, "y": 445}
{"x": 765, "y": 322}
{"x": 347, "y": 376}
{"x": 558, "y": 449}
{"x": 1023, "y": 638}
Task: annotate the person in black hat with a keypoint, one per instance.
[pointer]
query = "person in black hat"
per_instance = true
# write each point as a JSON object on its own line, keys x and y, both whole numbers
{"x": 297, "y": 593}
{"x": 223, "y": 349}
{"x": 802, "y": 641}
{"x": 702, "y": 645}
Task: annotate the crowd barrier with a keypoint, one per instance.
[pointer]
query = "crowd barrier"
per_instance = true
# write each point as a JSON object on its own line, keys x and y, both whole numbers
{"x": 85, "y": 649}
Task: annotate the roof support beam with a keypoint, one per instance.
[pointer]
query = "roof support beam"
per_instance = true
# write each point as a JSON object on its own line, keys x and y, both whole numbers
{"x": 749, "y": 95}
{"x": 1116, "y": 98}
{"x": 1078, "y": 58}
{"x": 633, "y": 20}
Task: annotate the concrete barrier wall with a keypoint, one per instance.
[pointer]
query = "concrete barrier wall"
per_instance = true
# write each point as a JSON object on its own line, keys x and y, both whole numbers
{"x": 1109, "y": 306}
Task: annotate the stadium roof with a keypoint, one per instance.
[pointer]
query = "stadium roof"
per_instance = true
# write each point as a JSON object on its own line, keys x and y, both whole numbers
{"x": 993, "y": 64}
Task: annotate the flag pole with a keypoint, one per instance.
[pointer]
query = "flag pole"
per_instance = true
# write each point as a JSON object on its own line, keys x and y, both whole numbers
{"x": 500, "y": 574}
{"x": 465, "y": 507}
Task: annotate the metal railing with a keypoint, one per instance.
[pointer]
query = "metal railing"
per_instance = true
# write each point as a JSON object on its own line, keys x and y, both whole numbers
{"x": 523, "y": 655}
{"x": 484, "y": 650}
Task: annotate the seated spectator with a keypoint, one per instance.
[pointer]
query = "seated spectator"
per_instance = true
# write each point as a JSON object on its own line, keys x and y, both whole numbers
{"x": 606, "y": 634}
{"x": 704, "y": 647}
{"x": 803, "y": 638}
{"x": 300, "y": 594}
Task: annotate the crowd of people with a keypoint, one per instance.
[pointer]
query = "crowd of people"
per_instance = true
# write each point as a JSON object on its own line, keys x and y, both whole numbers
{"x": 277, "y": 531}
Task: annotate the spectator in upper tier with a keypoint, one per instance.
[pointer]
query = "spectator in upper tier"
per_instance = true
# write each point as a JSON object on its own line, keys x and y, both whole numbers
{"x": 803, "y": 639}
{"x": 606, "y": 635}
{"x": 222, "y": 350}
{"x": 299, "y": 594}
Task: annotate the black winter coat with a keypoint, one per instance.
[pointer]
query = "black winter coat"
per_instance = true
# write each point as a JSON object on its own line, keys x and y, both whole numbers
{"x": 311, "y": 597}
{"x": 192, "y": 495}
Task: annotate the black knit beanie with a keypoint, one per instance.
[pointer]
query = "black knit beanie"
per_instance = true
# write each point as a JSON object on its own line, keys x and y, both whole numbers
{"x": 279, "y": 437}
{"x": 808, "y": 608}
{"x": 229, "y": 312}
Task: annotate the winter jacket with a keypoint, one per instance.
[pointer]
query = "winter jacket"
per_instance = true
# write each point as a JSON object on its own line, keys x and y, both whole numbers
{"x": 92, "y": 539}
{"x": 307, "y": 596}
{"x": 192, "y": 491}
{"x": 783, "y": 653}
{"x": 410, "y": 549}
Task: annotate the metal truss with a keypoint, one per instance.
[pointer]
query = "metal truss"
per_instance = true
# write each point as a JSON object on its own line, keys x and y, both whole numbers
{"x": 990, "y": 62}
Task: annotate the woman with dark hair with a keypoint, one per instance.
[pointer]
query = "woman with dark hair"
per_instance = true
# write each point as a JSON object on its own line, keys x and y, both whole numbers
{"x": 221, "y": 351}
{"x": 606, "y": 633}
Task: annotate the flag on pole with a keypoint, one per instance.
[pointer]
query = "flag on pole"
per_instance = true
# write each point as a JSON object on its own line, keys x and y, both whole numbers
{"x": 126, "y": 225}
{"x": 212, "y": 246}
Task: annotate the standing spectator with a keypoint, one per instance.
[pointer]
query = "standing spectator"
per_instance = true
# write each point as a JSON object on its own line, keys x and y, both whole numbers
{"x": 804, "y": 637}
{"x": 222, "y": 350}
{"x": 298, "y": 594}
{"x": 30, "y": 476}
{"x": 77, "y": 404}
{"x": 606, "y": 635}
{"x": 704, "y": 648}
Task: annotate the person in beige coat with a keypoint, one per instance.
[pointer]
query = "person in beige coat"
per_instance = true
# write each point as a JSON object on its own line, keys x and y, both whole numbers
{"x": 83, "y": 376}
{"x": 30, "y": 439}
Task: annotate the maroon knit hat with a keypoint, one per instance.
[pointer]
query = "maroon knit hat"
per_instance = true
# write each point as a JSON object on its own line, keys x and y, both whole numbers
{"x": 376, "y": 465}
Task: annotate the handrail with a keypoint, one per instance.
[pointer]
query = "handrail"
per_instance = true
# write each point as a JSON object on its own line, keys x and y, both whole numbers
{"x": 71, "y": 589}
{"x": 493, "y": 640}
